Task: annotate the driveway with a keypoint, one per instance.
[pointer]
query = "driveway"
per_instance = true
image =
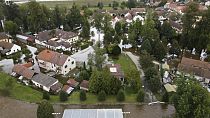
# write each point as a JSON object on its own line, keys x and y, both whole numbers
{"x": 149, "y": 95}
{"x": 35, "y": 66}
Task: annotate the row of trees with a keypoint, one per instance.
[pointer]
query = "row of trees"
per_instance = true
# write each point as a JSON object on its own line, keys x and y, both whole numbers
{"x": 34, "y": 17}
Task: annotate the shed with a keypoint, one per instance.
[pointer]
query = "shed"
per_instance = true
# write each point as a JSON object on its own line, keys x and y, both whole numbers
{"x": 170, "y": 88}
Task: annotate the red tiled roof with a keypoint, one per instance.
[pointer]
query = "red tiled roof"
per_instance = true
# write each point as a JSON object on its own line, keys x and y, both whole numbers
{"x": 52, "y": 57}
{"x": 118, "y": 73}
{"x": 28, "y": 65}
{"x": 84, "y": 84}
{"x": 72, "y": 82}
{"x": 23, "y": 71}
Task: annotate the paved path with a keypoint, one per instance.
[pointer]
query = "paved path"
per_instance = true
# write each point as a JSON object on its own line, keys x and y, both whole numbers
{"x": 135, "y": 59}
{"x": 35, "y": 66}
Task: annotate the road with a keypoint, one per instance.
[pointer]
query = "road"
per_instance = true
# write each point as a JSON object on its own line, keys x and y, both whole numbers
{"x": 135, "y": 59}
{"x": 35, "y": 66}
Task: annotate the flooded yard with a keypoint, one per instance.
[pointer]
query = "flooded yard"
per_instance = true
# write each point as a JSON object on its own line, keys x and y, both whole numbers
{"x": 11, "y": 108}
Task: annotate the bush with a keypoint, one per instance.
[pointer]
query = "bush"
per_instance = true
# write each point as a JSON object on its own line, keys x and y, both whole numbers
{"x": 140, "y": 96}
{"x": 82, "y": 95}
{"x": 63, "y": 96}
{"x": 120, "y": 96}
{"x": 102, "y": 96}
{"x": 46, "y": 96}
{"x": 116, "y": 50}
{"x": 45, "y": 110}
{"x": 165, "y": 97}
{"x": 86, "y": 45}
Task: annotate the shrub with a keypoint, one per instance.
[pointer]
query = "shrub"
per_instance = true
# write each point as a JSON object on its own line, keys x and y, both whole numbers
{"x": 45, "y": 110}
{"x": 120, "y": 96}
{"x": 116, "y": 50}
{"x": 140, "y": 96}
{"x": 82, "y": 95}
{"x": 46, "y": 96}
{"x": 63, "y": 96}
{"x": 165, "y": 97}
{"x": 102, "y": 96}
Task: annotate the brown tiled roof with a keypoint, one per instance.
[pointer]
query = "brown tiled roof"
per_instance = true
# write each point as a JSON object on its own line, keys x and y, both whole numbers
{"x": 23, "y": 71}
{"x": 84, "y": 84}
{"x": 56, "y": 87}
{"x": 118, "y": 73}
{"x": 196, "y": 67}
{"x": 52, "y": 57}
{"x": 175, "y": 25}
{"x": 3, "y": 35}
{"x": 6, "y": 45}
{"x": 141, "y": 10}
{"x": 72, "y": 82}
{"x": 45, "y": 35}
{"x": 27, "y": 65}
{"x": 65, "y": 87}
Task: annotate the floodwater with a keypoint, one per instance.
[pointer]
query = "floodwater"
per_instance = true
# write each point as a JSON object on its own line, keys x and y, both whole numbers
{"x": 11, "y": 108}
{"x": 136, "y": 111}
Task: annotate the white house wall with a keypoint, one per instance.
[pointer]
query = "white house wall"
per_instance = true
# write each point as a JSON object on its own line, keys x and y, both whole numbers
{"x": 69, "y": 64}
{"x": 14, "y": 49}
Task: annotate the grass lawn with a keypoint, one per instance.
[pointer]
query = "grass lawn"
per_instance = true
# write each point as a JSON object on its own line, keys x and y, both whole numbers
{"x": 20, "y": 91}
{"x": 126, "y": 63}
{"x": 92, "y": 99}
{"x": 68, "y": 4}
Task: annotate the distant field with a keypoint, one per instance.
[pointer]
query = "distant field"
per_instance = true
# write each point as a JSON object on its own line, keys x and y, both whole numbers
{"x": 68, "y": 4}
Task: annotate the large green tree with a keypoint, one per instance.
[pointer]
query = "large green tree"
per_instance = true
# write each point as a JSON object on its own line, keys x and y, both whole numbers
{"x": 45, "y": 110}
{"x": 86, "y": 28}
{"x": 191, "y": 100}
{"x": 11, "y": 27}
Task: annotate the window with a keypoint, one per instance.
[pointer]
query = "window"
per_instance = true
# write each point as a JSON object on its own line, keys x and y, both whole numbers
{"x": 72, "y": 62}
{"x": 69, "y": 60}
{"x": 65, "y": 66}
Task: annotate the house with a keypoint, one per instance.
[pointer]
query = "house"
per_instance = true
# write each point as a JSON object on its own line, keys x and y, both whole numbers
{"x": 60, "y": 63}
{"x": 53, "y": 39}
{"x": 68, "y": 89}
{"x": 9, "y": 48}
{"x": 45, "y": 82}
{"x": 176, "y": 26}
{"x": 23, "y": 71}
{"x": 72, "y": 83}
{"x": 5, "y": 37}
{"x": 84, "y": 85}
{"x": 200, "y": 69}
{"x": 25, "y": 38}
{"x": 115, "y": 70}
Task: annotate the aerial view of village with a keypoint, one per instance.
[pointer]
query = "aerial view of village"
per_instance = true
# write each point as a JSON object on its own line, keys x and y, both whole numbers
{"x": 104, "y": 58}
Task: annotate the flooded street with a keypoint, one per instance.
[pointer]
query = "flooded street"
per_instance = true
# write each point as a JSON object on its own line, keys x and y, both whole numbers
{"x": 11, "y": 108}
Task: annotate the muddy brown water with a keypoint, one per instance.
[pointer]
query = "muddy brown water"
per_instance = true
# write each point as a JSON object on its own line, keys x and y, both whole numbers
{"x": 10, "y": 108}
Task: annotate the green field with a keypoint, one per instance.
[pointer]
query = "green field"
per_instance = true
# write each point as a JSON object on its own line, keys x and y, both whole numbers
{"x": 26, "y": 93}
{"x": 68, "y": 4}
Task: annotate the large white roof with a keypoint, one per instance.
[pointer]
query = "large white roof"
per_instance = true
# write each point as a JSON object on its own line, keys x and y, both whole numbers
{"x": 93, "y": 113}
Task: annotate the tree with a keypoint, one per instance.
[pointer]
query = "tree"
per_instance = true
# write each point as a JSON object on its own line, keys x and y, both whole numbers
{"x": 98, "y": 21}
{"x": 159, "y": 51}
{"x": 132, "y": 37}
{"x": 115, "y": 85}
{"x": 101, "y": 96}
{"x": 118, "y": 28}
{"x": 86, "y": 28}
{"x": 146, "y": 60}
{"x": 83, "y": 75}
{"x": 175, "y": 49}
{"x": 165, "y": 97}
{"x": 74, "y": 18}
{"x": 7, "y": 87}
{"x": 140, "y": 96}
{"x": 123, "y": 5}
{"x": 63, "y": 96}
{"x": 58, "y": 15}
{"x": 82, "y": 95}
{"x": 167, "y": 31}
{"x": 46, "y": 95}
{"x": 191, "y": 99}
{"x": 133, "y": 80}
{"x": 131, "y": 4}
{"x": 11, "y": 27}
{"x": 152, "y": 77}
{"x": 120, "y": 96}
{"x": 115, "y": 4}
{"x": 116, "y": 50}
{"x": 45, "y": 110}
{"x": 100, "y": 5}
{"x": 146, "y": 46}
